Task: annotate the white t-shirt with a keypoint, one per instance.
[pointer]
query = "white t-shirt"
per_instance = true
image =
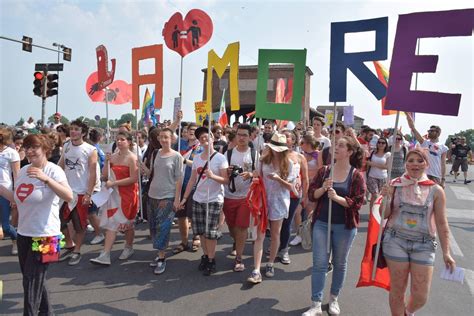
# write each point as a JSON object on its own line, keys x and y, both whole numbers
{"x": 27, "y": 125}
{"x": 76, "y": 166}
{"x": 434, "y": 157}
{"x": 242, "y": 187}
{"x": 7, "y": 157}
{"x": 378, "y": 173}
{"x": 324, "y": 142}
{"x": 38, "y": 205}
{"x": 216, "y": 190}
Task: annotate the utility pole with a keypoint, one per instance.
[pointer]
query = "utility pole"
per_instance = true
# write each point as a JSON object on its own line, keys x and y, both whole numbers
{"x": 59, "y": 46}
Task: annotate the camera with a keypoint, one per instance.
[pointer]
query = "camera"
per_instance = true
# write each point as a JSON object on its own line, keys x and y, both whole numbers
{"x": 454, "y": 139}
{"x": 236, "y": 170}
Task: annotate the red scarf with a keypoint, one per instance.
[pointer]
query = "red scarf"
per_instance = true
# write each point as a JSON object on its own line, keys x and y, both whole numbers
{"x": 257, "y": 201}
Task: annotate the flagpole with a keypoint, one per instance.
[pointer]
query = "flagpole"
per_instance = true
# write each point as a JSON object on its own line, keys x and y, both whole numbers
{"x": 180, "y": 102}
{"x": 386, "y": 201}
{"x": 139, "y": 172}
{"x": 209, "y": 144}
{"x": 333, "y": 150}
{"x": 107, "y": 128}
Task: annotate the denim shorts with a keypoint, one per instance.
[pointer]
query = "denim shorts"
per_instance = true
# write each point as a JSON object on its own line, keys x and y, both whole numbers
{"x": 400, "y": 249}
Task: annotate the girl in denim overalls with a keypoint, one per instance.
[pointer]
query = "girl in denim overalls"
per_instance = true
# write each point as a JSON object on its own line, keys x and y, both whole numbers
{"x": 416, "y": 212}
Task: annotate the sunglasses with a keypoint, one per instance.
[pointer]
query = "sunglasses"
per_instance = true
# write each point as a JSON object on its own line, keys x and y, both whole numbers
{"x": 432, "y": 131}
{"x": 382, "y": 143}
{"x": 398, "y": 138}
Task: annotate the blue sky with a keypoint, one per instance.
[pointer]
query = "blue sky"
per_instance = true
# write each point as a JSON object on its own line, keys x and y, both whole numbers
{"x": 122, "y": 25}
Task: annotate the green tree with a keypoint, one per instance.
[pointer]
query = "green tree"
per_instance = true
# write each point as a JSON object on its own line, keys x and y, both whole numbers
{"x": 20, "y": 122}
{"x": 127, "y": 117}
{"x": 469, "y": 134}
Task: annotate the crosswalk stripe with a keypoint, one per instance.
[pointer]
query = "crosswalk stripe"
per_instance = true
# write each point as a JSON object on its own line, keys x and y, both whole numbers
{"x": 460, "y": 213}
{"x": 455, "y": 249}
{"x": 462, "y": 193}
{"x": 469, "y": 278}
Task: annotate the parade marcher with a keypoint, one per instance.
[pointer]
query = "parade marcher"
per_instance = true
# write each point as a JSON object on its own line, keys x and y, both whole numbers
{"x": 310, "y": 150}
{"x": 437, "y": 151}
{"x": 276, "y": 170}
{"x": 38, "y": 188}
{"x": 377, "y": 174}
{"x": 209, "y": 175}
{"x": 346, "y": 190}
{"x": 119, "y": 212}
{"x": 30, "y": 124}
{"x": 298, "y": 195}
{"x": 95, "y": 137}
{"x": 9, "y": 167}
{"x": 416, "y": 211}
{"x": 189, "y": 150}
{"x": 56, "y": 122}
{"x": 163, "y": 195}
{"x": 461, "y": 152}
{"x": 79, "y": 161}
{"x": 399, "y": 156}
{"x": 318, "y": 124}
{"x": 219, "y": 142}
{"x": 242, "y": 162}
{"x": 142, "y": 138}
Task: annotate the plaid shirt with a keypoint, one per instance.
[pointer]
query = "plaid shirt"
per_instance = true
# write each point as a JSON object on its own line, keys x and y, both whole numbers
{"x": 354, "y": 199}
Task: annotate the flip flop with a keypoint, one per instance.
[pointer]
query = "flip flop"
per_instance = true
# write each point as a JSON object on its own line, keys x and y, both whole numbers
{"x": 196, "y": 244}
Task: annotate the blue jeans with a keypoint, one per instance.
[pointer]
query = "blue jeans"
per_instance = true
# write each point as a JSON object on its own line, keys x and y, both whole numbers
{"x": 341, "y": 242}
{"x": 8, "y": 229}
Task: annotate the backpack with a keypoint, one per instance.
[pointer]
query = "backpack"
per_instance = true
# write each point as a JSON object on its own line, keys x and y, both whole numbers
{"x": 253, "y": 154}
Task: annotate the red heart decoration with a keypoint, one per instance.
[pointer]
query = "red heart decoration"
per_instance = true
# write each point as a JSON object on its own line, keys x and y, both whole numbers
{"x": 185, "y": 36}
{"x": 24, "y": 190}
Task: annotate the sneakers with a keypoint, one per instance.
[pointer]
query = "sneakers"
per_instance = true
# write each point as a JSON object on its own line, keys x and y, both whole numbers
{"x": 284, "y": 256}
{"x": 160, "y": 266}
{"x": 334, "y": 306}
{"x": 66, "y": 254}
{"x": 102, "y": 259}
{"x": 255, "y": 277}
{"x": 330, "y": 268}
{"x": 90, "y": 228}
{"x": 296, "y": 241}
{"x": 154, "y": 263}
{"x": 269, "y": 271}
{"x": 14, "y": 248}
{"x": 203, "y": 263}
{"x": 210, "y": 267}
{"x": 467, "y": 181}
{"x": 126, "y": 253}
{"x": 97, "y": 239}
{"x": 75, "y": 259}
{"x": 238, "y": 265}
{"x": 314, "y": 310}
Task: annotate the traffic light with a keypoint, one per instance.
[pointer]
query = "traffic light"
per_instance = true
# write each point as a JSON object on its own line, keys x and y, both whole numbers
{"x": 39, "y": 83}
{"x": 26, "y": 46}
{"x": 67, "y": 52}
{"x": 52, "y": 85}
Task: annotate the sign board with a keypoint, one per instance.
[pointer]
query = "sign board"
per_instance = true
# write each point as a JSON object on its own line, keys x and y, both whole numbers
{"x": 49, "y": 67}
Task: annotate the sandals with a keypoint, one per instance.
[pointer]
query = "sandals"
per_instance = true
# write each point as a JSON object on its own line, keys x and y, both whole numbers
{"x": 238, "y": 265}
{"x": 180, "y": 248}
{"x": 196, "y": 243}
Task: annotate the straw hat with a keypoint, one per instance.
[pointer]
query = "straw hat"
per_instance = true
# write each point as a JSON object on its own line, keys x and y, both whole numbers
{"x": 278, "y": 142}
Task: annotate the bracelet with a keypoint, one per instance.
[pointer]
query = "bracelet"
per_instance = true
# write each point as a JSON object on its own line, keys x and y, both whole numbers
{"x": 184, "y": 161}
{"x": 185, "y": 198}
{"x": 46, "y": 181}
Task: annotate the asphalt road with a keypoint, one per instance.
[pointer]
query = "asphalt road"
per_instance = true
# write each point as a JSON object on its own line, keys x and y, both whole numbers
{"x": 131, "y": 288}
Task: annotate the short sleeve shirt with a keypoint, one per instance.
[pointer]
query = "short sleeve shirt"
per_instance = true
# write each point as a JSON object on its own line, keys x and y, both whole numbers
{"x": 7, "y": 157}
{"x": 215, "y": 189}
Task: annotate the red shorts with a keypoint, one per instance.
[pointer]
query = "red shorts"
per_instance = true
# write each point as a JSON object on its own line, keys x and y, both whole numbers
{"x": 237, "y": 212}
{"x": 78, "y": 215}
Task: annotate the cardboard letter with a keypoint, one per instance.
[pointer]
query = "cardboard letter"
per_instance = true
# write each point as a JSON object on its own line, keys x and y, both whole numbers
{"x": 230, "y": 57}
{"x": 341, "y": 61}
{"x": 141, "y": 53}
{"x": 280, "y": 111}
{"x": 404, "y": 61}
{"x": 106, "y": 77}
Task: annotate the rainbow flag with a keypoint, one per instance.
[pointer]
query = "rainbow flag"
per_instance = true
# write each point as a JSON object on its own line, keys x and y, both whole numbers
{"x": 382, "y": 74}
{"x": 147, "y": 100}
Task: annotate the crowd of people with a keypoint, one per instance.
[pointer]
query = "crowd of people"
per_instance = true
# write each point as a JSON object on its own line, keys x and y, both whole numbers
{"x": 203, "y": 178}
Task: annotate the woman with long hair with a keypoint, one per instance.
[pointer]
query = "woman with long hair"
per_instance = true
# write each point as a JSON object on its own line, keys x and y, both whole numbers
{"x": 276, "y": 170}
{"x": 9, "y": 168}
{"x": 346, "y": 191}
{"x": 399, "y": 156}
{"x": 121, "y": 172}
{"x": 416, "y": 212}
{"x": 377, "y": 165}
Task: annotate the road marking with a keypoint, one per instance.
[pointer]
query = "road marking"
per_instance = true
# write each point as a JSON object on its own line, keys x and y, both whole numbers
{"x": 455, "y": 249}
{"x": 462, "y": 193}
{"x": 460, "y": 213}
{"x": 469, "y": 278}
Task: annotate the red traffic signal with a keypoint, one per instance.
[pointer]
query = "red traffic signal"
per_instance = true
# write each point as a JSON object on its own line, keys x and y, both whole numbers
{"x": 38, "y": 83}
{"x": 52, "y": 85}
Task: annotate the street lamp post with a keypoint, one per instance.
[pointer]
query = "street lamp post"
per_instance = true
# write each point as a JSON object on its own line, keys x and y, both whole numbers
{"x": 59, "y": 46}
